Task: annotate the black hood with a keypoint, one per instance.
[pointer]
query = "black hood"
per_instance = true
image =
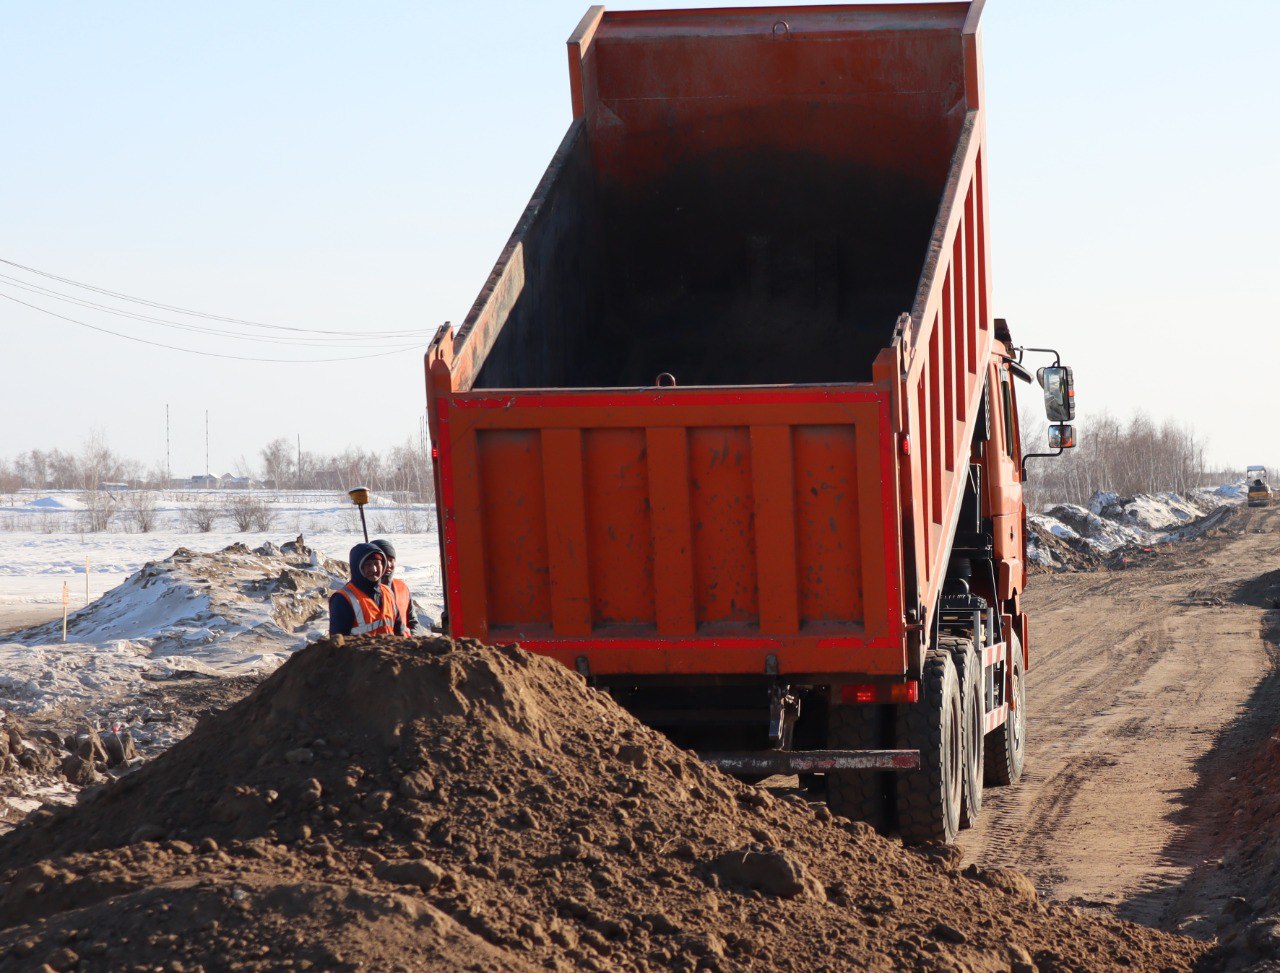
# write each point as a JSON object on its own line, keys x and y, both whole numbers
{"x": 358, "y": 555}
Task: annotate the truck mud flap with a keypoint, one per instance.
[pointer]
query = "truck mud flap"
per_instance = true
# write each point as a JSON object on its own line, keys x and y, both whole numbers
{"x": 786, "y": 762}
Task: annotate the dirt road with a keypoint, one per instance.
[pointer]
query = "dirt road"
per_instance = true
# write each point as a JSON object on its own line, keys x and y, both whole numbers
{"x": 1147, "y": 690}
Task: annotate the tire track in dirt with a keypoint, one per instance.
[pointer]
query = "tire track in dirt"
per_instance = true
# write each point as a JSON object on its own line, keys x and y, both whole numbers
{"x": 1134, "y": 676}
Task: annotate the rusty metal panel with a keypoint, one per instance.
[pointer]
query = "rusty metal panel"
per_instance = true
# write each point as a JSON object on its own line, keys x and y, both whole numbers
{"x": 564, "y": 500}
{"x": 672, "y": 530}
{"x": 619, "y": 530}
{"x": 777, "y": 563}
{"x": 651, "y": 506}
{"x": 513, "y": 516}
{"x": 949, "y": 350}
{"x": 827, "y": 508}
{"x": 847, "y": 82}
{"x": 722, "y": 507}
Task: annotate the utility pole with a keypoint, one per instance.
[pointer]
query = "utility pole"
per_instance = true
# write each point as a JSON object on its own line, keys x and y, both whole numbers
{"x": 298, "y": 474}
{"x": 206, "y": 447}
{"x": 168, "y": 470}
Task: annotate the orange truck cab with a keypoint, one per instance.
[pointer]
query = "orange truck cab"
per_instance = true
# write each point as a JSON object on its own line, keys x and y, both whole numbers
{"x": 731, "y": 429}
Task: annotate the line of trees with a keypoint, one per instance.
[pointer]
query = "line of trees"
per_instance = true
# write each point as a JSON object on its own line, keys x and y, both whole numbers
{"x": 55, "y": 469}
{"x": 404, "y": 469}
{"x": 1139, "y": 455}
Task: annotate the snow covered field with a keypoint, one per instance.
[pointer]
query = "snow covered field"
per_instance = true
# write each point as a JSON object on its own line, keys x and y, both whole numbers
{"x": 43, "y": 543}
{"x": 237, "y": 605}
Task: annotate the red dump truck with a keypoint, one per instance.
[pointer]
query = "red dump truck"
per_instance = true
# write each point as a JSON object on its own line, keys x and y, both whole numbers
{"x": 731, "y": 429}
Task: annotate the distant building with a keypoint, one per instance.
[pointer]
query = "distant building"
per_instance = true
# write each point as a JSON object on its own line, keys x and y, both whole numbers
{"x": 327, "y": 480}
{"x": 203, "y": 481}
{"x": 112, "y": 487}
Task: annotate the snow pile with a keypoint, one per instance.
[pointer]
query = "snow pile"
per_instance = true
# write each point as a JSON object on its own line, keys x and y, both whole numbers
{"x": 1149, "y": 512}
{"x": 1067, "y": 532}
{"x": 57, "y": 503}
{"x": 1102, "y": 534}
{"x": 229, "y": 613}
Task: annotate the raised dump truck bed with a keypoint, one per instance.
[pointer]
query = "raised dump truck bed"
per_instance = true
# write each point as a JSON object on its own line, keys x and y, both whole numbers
{"x": 713, "y": 416}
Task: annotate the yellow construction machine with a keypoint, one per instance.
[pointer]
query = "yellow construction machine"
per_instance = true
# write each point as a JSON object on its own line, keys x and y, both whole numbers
{"x": 1259, "y": 492}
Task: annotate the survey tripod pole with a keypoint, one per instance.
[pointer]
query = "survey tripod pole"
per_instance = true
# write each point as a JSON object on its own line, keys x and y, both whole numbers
{"x": 360, "y": 496}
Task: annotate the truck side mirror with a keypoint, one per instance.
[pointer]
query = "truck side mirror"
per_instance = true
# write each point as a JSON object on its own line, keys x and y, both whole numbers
{"x": 1059, "y": 387}
{"x": 1062, "y": 436}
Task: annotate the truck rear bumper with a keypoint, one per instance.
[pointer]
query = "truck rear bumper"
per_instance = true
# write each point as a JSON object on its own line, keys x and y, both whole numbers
{"x": 786, "y": 762}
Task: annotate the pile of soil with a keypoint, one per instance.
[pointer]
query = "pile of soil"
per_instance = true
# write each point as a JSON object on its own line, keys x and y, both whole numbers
{"x": 190, "y": 603}
{"x": 1053, "y": 553}
{"x": 1248, "y": 808}
{"x": 23, "y": 752}
{"x": 29, "y": 762}
{"x": 418, "y": 804}
{"x": 1249, "y": 927}
{"x": 43, "y": 765}
{"x": 1059, "y": 554}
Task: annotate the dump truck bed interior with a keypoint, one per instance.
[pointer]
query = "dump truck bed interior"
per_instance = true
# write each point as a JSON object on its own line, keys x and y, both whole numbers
{"x": 676, "y": 429}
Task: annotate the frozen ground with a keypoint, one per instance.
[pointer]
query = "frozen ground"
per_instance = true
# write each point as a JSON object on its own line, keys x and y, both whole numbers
{"x": 150, "y": 612}
{"x": 176, "y": 620}
{"x": 1111, "y": 522}
{"x": 42, "y": 543}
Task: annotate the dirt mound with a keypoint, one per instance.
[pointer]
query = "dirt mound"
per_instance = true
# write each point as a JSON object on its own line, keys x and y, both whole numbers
{"x": 427, "y": 804}
{"x": 30, "y": 761}
{"x": 1260, "y": 592}
{"x": 192, "y": 603}
{"x": 1050, "y": 548}
{"x": 1050, "y": 552}
{"x": 1250, "y": 924}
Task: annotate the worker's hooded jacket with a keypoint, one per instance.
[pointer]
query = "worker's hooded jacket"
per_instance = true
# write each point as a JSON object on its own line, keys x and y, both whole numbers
{"x": 361, "y": 606}
{"x": 404, "y": 601}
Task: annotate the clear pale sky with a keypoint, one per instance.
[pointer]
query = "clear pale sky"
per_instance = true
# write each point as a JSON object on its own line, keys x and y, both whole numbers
{"x": 358, "y": 167}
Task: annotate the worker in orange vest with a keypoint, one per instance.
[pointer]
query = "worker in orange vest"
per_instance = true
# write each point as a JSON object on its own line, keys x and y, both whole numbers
{"x": 404, "y": 601}
{"x": 364, "y": 605}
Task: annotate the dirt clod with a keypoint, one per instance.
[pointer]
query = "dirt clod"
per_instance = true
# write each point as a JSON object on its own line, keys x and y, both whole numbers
{"x": 768, "y": 870}
{"x": 422, "y": 873}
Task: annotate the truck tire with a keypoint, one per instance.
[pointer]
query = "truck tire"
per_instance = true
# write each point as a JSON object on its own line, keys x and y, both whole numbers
{"x": 929, "y": 799}
{"x": 1007, "y": 743}
{"x": 968, "y": 664}
{"x": 859, "y": 794}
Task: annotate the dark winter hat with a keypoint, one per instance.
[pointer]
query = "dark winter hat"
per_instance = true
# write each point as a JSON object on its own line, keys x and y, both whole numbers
{"x": 385, "y": 547}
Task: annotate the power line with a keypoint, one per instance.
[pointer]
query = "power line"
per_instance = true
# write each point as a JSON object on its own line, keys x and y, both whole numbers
{"x": 196, "y": 328}
{"x": 208, "y": 354}
{"x": 200, "y": 314}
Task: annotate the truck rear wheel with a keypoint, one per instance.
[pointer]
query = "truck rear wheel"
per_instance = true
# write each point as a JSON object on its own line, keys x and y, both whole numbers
{"x": 929, "y": 799}
{"x": 1006, "y": 744}
{"x": 859, "y": 794}
{"x": 969, "y": 673}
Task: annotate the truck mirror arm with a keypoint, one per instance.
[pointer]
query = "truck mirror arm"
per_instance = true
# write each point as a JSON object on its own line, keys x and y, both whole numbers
{"x": 1057, "y": 358}
{"x": 1030, "y": 456}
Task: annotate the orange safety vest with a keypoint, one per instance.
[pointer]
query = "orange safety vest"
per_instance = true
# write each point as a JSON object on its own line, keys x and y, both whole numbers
{"x": 401, "y": 592}
{"x": 371, "y": 618}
